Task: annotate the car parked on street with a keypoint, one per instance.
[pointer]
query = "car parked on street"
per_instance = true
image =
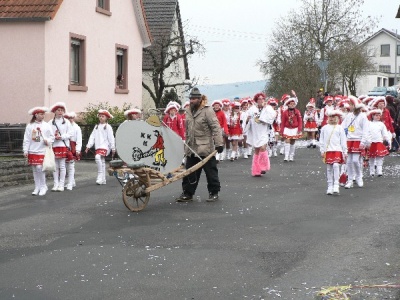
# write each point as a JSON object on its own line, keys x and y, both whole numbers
{"x": 384, "y": 91}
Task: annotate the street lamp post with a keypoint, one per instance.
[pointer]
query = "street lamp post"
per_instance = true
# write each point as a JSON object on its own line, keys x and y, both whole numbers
{"x": 323, "y": 65}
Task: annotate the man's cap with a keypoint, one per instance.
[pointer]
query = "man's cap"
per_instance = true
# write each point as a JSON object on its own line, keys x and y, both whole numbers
{"x": 195, "y": 93}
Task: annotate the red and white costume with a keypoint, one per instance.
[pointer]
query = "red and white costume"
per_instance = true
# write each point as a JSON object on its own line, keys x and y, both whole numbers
{"x": 333, "y": 144}
{"x": 291, "y": 128}
{"x": 174, "y": 121}
{"x": 34, "y": 147}
{"x": 291, "y": 124}
{"x": 323, "y": 115}
{"x": 76, "y": 148}
{"x": 310, "y": 119}
{"x": 377, "y": 150}
{"x": 62, "y": 130}
{"x": 235, "y": 125}
{"x": 102, "y": 137}
{"x": 222, "y": 123}
{"x": 357, "y": 132}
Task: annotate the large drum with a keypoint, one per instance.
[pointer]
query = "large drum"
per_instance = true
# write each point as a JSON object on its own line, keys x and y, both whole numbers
{"x": 148, "y": 142}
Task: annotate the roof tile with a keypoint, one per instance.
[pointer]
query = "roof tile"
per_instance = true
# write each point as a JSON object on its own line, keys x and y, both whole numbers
{"x": 18, "y": 9}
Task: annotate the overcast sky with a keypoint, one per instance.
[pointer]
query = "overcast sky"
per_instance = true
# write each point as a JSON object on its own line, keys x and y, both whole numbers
{"x": 234, "y": 33}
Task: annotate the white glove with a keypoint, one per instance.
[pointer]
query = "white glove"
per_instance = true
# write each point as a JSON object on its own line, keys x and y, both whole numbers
{"x": 393, "y": 135}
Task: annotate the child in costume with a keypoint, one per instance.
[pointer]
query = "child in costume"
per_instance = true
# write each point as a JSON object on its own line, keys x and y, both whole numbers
{"x": 275, "y": 126}
{"x": 38, "y": 135}
{"x": 133, "y": 114}
{"x": 216, "y": 105}
{"x": 323, "y": 115}
{"x": 259, "y": 123}
{"x": 76, "y": 147}
{"x": 310, "y": 123}
{"x": 173, "y": 120}
{"x": 243, "y": 147}
{"x": 377, "y": 150}
{"x": 62, "y": 130}
{"x": 333, "y": 148}
{"x": 226, "y": 108}
{"x": 291, "y": 127}
{"x": 235, "y": 129}
{"x": 102, "y": 137}
{"x": 356, "y": 126}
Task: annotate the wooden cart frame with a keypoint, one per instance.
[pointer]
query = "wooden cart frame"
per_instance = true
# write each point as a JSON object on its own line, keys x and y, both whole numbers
{"x": 138, "y": 181}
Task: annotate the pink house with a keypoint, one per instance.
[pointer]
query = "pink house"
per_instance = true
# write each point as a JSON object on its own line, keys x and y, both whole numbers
{"x": 74, "y": 51}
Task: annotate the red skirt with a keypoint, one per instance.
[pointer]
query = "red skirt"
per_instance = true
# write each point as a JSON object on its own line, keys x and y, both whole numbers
{"x": 35, "y": 159}
{"x": 102, "y": 152}
{"x": 310, "y": 126}
{"x": 377, "y": 150}
{"x": 60, "y": 152}
{"x": 332, "y": 157}
{"x": 353, "y": 147}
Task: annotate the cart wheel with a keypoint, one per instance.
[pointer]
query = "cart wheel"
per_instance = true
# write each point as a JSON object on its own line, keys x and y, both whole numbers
{"x": 133, "y": 195}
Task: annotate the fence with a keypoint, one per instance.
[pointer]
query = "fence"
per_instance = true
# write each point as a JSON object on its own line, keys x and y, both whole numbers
{"x": 12, "y": 136}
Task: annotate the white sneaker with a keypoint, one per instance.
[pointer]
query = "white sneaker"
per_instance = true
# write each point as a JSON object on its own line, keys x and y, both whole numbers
{"x": 100, "y": 182}
{"x": 329, "y": 191}
{"x": 245, "y": 155}
{"x": 275, "y": 153}
{"x": 336, "y": 189}
{"x": 348, "y": 185}
{"x": 35, "y": 191}
{"x": 42, "y": 191}
{"x": 69, "y": 187}
{"x": 60, "y": 189}
{"x": 55, "y": 188}
{"x": 360, "y": 182}
{"x": 291, "y": 158}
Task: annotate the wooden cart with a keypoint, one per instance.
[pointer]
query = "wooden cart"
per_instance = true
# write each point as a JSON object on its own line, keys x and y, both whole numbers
{"x": 138, "y": 181}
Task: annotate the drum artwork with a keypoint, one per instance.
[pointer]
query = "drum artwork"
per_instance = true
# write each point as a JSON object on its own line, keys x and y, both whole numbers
{"x": 150, "y": 143}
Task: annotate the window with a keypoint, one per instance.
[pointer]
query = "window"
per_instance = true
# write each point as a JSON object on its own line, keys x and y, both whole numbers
{"x": 385, "y": 68}
{"x": 398, "y": 50}
{"x": 77, "y": 62}
{"x": 385, "y": 50}
{"x": 103, "y": 7}
{"x": 121, "y": 69}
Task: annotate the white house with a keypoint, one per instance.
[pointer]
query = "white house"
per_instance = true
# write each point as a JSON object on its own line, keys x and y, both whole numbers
{"x": 384, "y": 49}
{"x": 164, "y": 21}
{"x": 70, "y": 51}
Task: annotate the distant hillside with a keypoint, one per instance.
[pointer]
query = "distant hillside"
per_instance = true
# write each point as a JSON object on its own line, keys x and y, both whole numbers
{"x": 232, "y": 90}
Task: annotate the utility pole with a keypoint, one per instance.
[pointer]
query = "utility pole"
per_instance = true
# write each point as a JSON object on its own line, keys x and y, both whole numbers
{"x": 395, "y": 61}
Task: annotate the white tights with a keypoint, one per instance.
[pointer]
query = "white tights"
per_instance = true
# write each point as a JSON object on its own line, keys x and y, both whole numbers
{"x": 354, "y": 169}
{"x": 101, "y": 168}
{"x": 71, "y": 173}
{"x": 332, "y": 174}
{"x": 39, "y": 177}
{"x": 60, "y": 172}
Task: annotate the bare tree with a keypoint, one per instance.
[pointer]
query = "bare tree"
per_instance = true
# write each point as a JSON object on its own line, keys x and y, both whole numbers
{"x": 310, "y": 34}
{"x": 167, "y": 53}
{"x": 350, "y": 61}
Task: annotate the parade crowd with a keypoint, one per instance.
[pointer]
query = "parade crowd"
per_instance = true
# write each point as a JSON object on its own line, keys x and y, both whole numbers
{"x": 349, "y": 131}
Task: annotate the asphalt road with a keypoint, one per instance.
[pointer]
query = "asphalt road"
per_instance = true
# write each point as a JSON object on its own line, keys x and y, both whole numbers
{"x": 275, "y": 237}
